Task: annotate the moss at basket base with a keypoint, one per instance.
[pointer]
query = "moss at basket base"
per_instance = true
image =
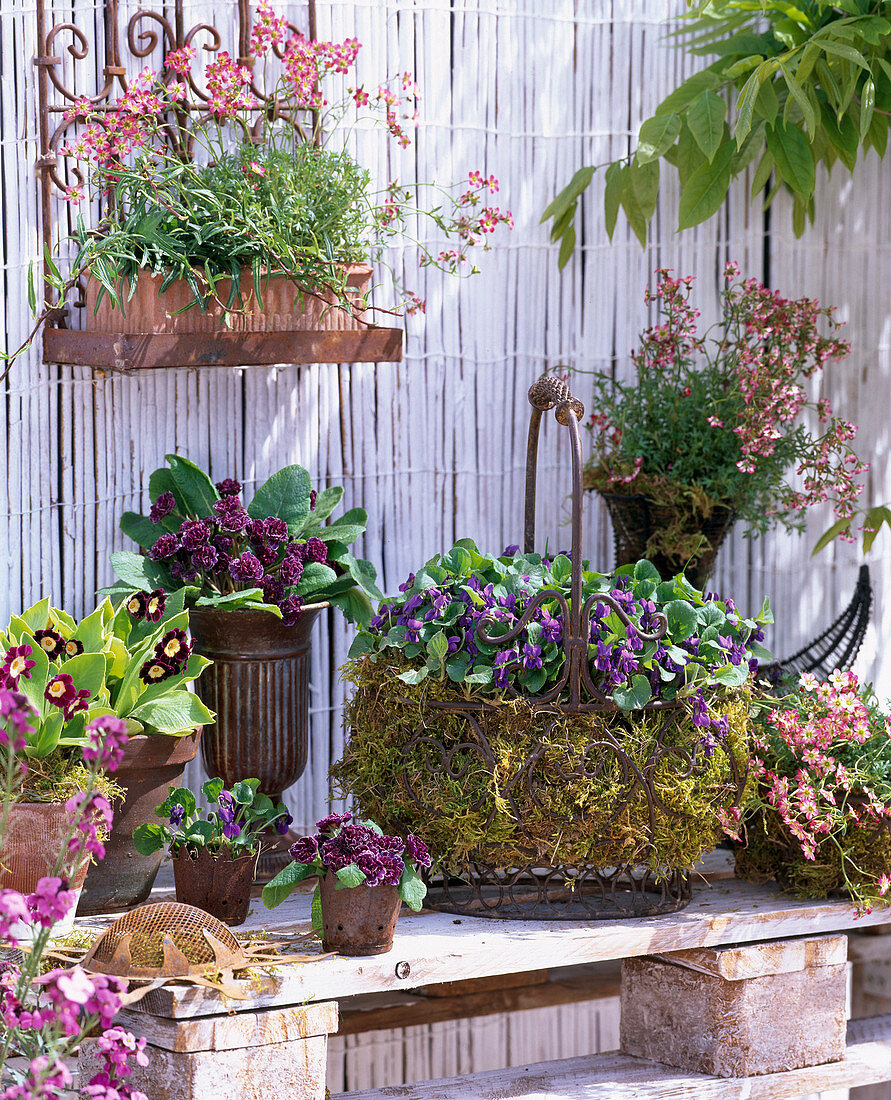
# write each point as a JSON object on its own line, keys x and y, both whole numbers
{"x": 508, "y": 813}
{"x": 863, "y": 856}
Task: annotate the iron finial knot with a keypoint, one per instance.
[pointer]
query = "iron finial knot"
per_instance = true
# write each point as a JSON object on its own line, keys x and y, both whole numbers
{"x": 549, "y": 391}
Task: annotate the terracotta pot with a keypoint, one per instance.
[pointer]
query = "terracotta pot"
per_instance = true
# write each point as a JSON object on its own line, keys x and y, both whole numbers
{"x": 635, "y": 518}
{"x": 151, "y": 764}
{"x": 217, "y": 884}
{"x": 34, "y": 835}
{"x": 284, "y": 308}
{"x": 358, "y": 920}
{"x": 258, "y": 685}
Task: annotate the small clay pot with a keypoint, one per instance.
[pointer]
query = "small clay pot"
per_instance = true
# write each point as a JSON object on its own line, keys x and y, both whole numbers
{"x": 217, "y": 883}
{"x": 29, "y": 849}
{"x": 358, "y": 920}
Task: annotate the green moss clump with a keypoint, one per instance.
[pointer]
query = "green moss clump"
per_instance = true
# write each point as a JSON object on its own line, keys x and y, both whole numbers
{"x": 528, "y": 785}
{"x": 842, "y": 865}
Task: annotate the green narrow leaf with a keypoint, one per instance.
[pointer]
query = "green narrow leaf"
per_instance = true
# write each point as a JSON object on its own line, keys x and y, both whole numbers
{"x": 705, "y": 119}
{"x": 867, "y": 106}
{"x": 842, "y": 135}
{"x": 612, "y": 196}
{"x": 798, "y": 96}
{"x": 567, "y": 197}
{"x": 639, "y": 195}
{"x": 840, "y": 49}
{"x": 567, "y": 246}
{"x": 793, "y": 157}
{"x": 746, "y": 106}
{"x": 840, "y": 526}
{"x": 706, "y": 189}
{"x": 657, "y": 135}
{"x": 762, "y": 173}
{"x": 685, "y": 93}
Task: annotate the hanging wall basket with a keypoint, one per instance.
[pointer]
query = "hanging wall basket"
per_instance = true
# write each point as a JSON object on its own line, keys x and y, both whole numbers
{"x": 292, "y": 326}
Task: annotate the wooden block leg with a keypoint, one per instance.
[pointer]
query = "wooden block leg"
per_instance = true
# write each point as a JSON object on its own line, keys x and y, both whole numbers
{"x": 280, "y": 1054}
{"x": 738, "y": 1012}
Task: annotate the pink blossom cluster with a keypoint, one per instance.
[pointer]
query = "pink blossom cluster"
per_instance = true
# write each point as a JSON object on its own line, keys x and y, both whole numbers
{"x": 228, "y": 85}
{"x": 91, "y": 813}
{"x": 308, "y": 62}
{"x": 61, "y": 1007}
{"x": 472, "y": 222}
{"x": 808, "y": 760}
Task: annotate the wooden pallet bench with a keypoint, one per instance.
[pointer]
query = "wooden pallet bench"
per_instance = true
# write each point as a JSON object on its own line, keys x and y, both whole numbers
{"x": 615, "y": 1076}
{"x": 288, "y": 1014}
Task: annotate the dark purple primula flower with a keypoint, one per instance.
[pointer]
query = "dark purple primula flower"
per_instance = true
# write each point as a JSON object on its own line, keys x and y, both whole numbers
{"x": 330, "y": 824}
{"x": 162, "y": 507}
{"x": 194, "y": 533}
{"x": 165, "y": 547}
{"x": 290, "y": 608}
{"x": 315, "y": 550}
{"x": 291, "y": 570}
{"x": 246, "y": 568}
{"x": 230, "y": 514}
{"x": 228, "y": 487}
{"x": 305, "y": 850}
{"x": 417, "y": 850}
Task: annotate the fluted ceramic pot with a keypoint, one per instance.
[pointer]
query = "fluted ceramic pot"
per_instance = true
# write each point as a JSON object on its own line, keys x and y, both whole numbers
{"x": 258, "y": 685}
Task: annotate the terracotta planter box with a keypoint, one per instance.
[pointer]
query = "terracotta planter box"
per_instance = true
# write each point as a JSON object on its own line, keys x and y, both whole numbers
{"x": 738, "y": 1011}
{"x": 284, "y": 308}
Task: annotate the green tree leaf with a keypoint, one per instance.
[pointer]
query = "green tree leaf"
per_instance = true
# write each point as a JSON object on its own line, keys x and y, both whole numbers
{"x": 748, "y": 97}
{"x": 568, "y": 196}
{"x": 685, "y": 93}
{"x": 798, "y": 95}
{"x": 639, "y": 195}
{"x": 792, "y": 157}
{"x": 612, "y": 196}
{"x": 867, "y": 106}
{"x": 706, "y": 188}
{"x": 705, "y": 119}
{"x": 839, "y": 527}
{"x": 657, "y": 135}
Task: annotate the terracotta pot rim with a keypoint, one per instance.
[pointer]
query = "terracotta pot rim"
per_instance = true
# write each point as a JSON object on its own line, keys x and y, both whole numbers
{"x": 183, "y": 855}
{"x": 252, "y": 610}
{"x": 147, "y": 751}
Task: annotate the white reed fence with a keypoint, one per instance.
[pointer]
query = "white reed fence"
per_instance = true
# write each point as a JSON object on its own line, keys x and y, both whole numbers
{"x": 433, "y": 447}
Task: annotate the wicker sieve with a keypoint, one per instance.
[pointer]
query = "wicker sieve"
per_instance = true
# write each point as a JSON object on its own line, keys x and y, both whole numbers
{"x": 165, "y": 940}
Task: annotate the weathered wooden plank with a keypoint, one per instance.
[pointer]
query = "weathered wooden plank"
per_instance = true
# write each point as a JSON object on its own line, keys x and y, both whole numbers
{"x": 235, "y": 1030}
{"x": 148, "y": 351}
{"x": 604, "y": 1077}
{"x": 440, "y": 947}
{"x": 757, "y": 960}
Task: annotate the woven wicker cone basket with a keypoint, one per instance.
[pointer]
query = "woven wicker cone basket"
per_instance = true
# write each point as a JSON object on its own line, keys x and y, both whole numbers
{"x": 284, "y": 308}
{"x": 147, "y": 928}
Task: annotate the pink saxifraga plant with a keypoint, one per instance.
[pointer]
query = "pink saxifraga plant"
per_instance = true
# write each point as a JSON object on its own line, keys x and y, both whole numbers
{"x": 127, "y": 147}
{"x": 821, "y": 765}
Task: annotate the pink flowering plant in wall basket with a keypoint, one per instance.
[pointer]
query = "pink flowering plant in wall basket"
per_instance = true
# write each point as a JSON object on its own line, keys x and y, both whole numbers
{"x": 274, "y": 554}
{"x": 725, "y": 420}
{"x": 201, "y": 176}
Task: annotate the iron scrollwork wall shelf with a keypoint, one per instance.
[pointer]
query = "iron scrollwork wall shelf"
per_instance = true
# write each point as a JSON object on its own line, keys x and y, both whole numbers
{"x": 147, "y": 31}
{"x": 548, "y": 892}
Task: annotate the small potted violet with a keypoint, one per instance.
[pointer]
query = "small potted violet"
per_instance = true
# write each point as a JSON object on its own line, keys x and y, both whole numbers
{"x": 214, "y": 856}
{"x": 363, "y": 878}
